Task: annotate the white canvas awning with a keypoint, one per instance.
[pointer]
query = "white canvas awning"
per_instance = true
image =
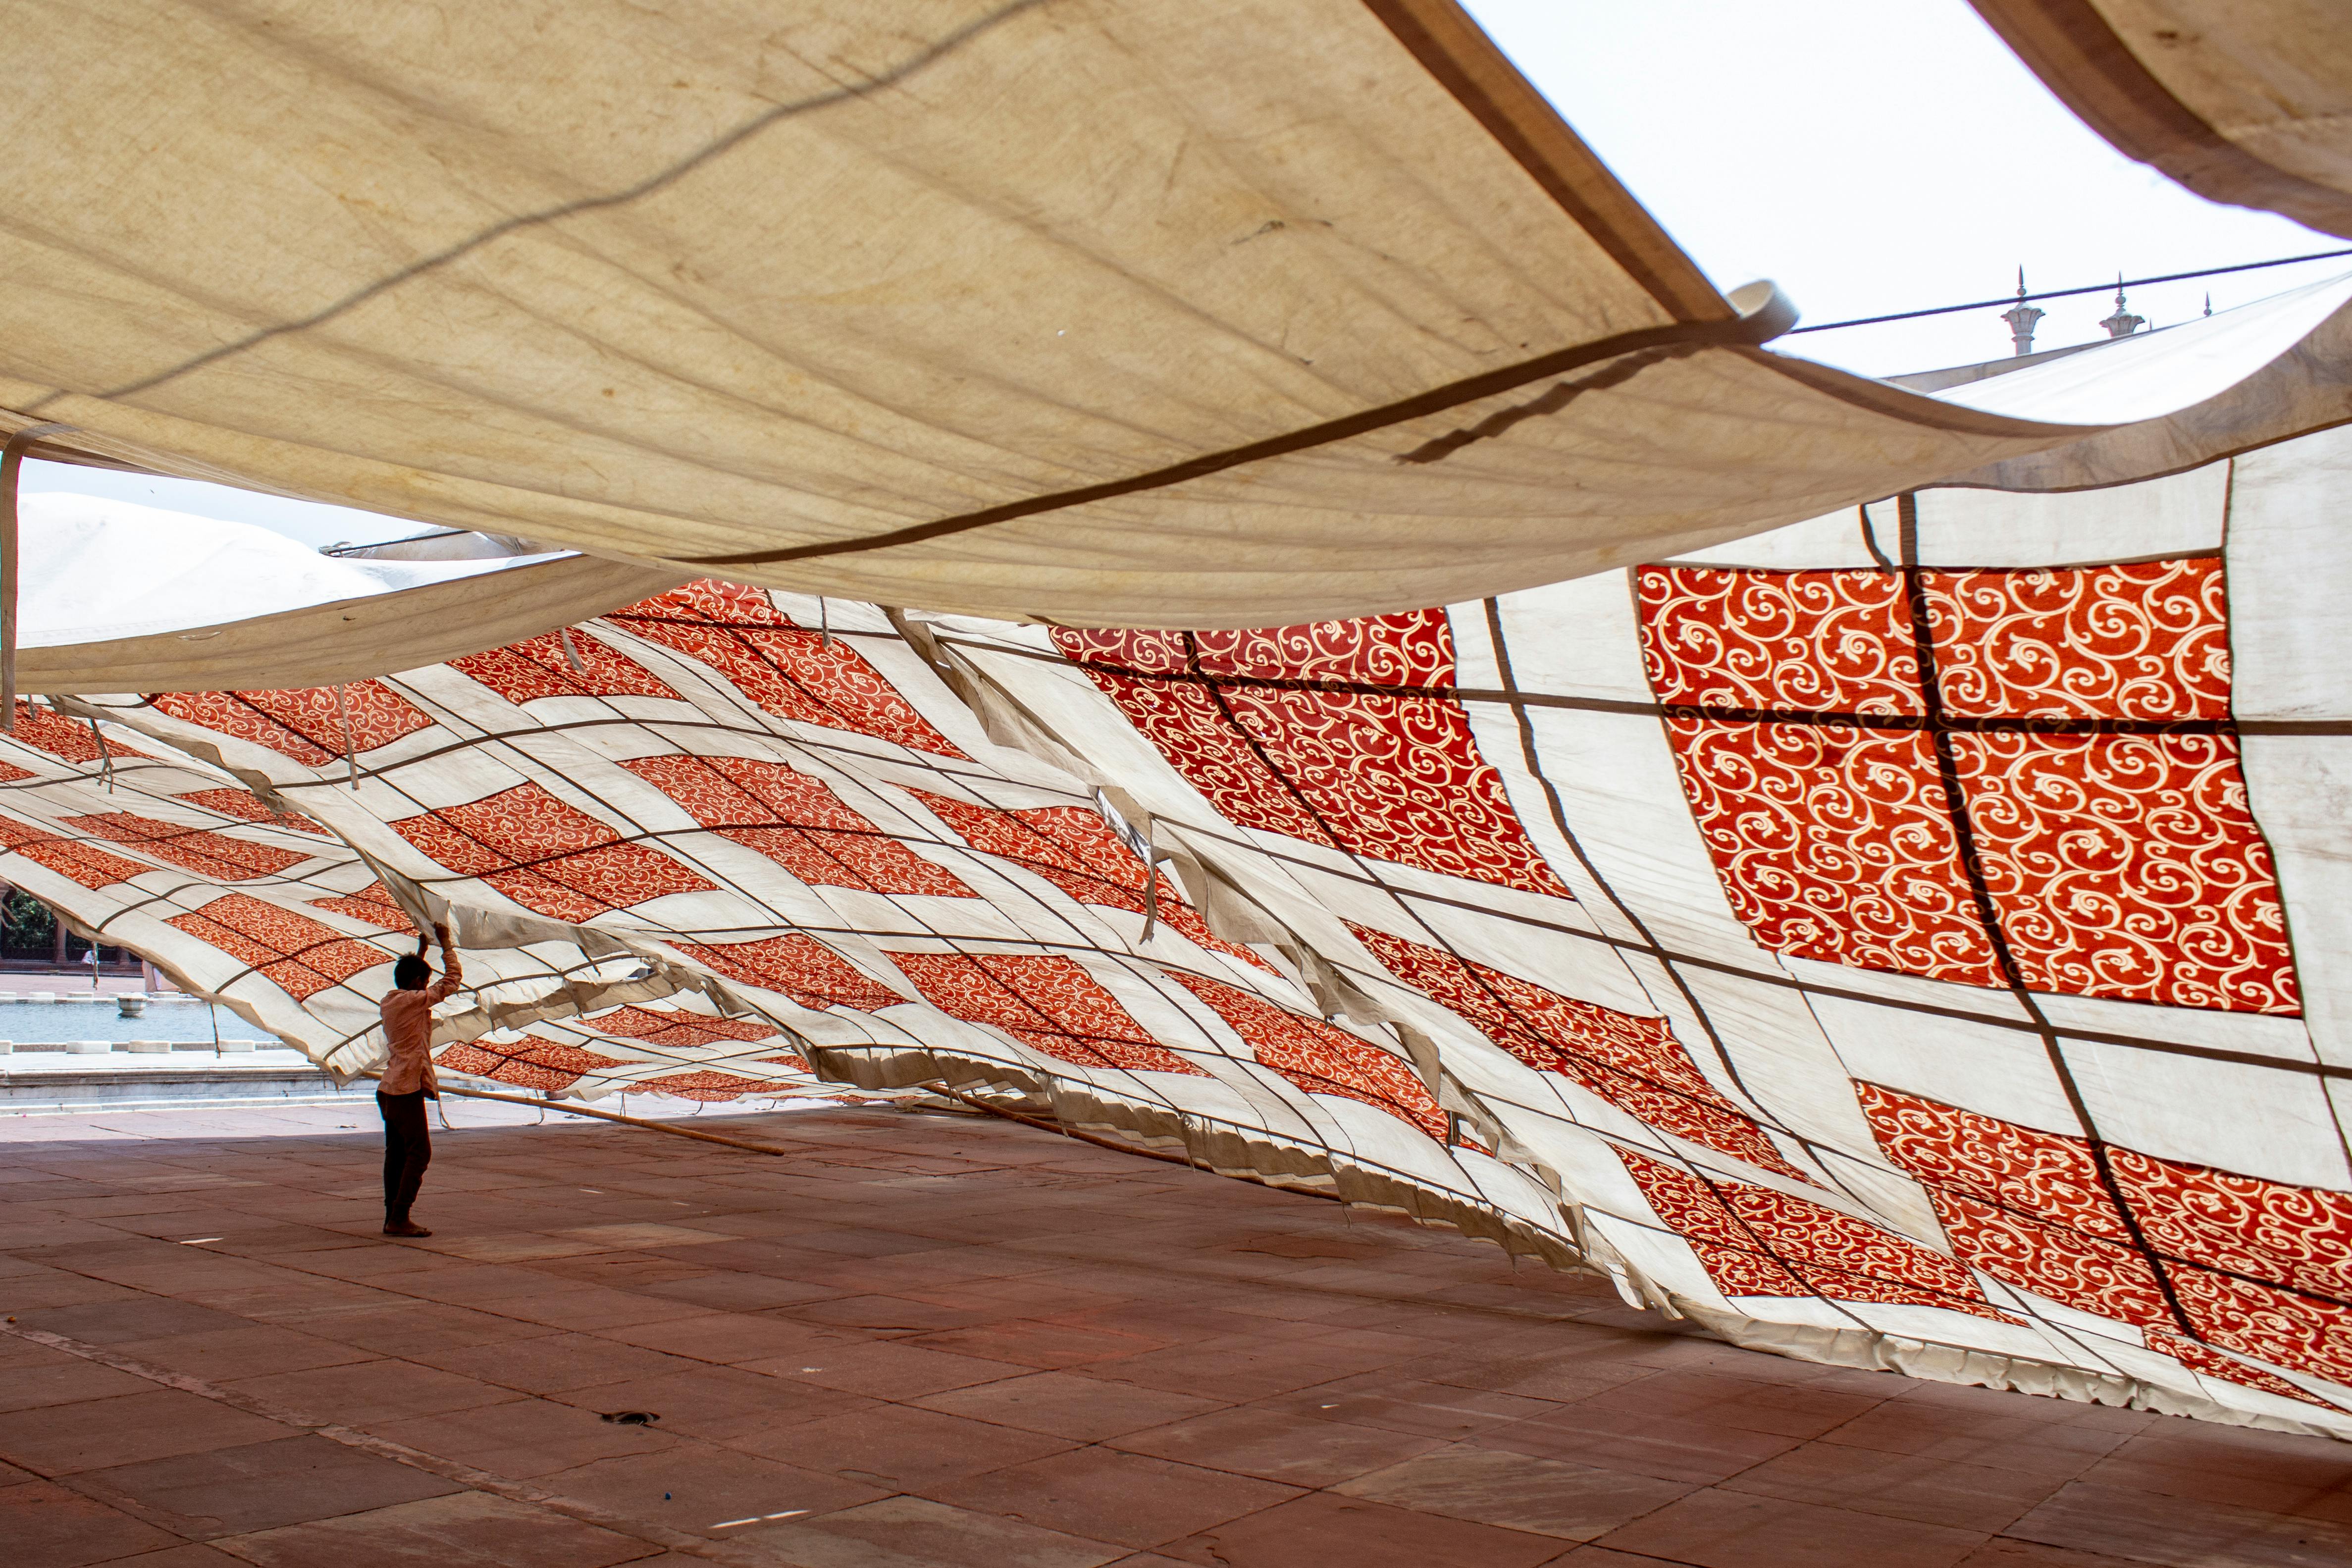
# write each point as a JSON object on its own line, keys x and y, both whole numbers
{"x": 2246, "y": 102}
{"x": 1103, "y": 312}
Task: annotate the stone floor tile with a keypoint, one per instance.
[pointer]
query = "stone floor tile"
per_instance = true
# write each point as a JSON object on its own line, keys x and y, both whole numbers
{"x": 48, "y": 1526}
{"x": 1517, "y": 1492}
{"x": 69, "y": 1380}
{"x": 2001, "y": 1552}
{"x": 914, "y": 1532}
{"x": 704, "y": 1489}
{"x": 525, "y": 1439}
{"x": 464, "y": 1530}
{"x": 410, "y": 1327}
{"x": 1068, "y": 1404}
{"x": 1410, "y": 1405}
{"x": 722, "y": 1403}
{"x": 1276, "y": 1448}
{"x": 263, "y": 1484}
{"x": 893, "y": 1315}
{"x": 554, "y": 1363}
{"x": 887, "y": 1369}
{"x": 1044, "y": 1343}
{"x": 727, "y": 1337}
{"x": 2023, "y": 1440}
{"x": 2181, "y": 1532}
{"x": 1899, "y": 1486}
{"x": 1325, "y": 1528}
{"x": 226, "y": 1355}
{"x": 1717, "y": 1529}
{"x": 1235, "y": 1372}
{"x": 1783, "y": 1409}
{"x": 899, "y": 1446}
{"x": 1668, "y": 1447}
{"x": 141, "y": 1317}
{"x": 732, "y": 1289}
{"x": 1104, "y": 1495}
{"x": 127, "y": 1428}
{"x": 191, "y": 1556}
{"x": 2243, "y": 1467}
{"x": 367, "y": 1392}
{"x": 581, "y": 1308}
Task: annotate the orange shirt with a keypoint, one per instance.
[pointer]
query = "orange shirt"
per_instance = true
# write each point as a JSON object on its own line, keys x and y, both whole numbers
{"x": 408, "y": 1030}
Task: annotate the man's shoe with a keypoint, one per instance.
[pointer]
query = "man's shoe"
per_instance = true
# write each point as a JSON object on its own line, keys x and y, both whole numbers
{"x": 404, "y": 1227}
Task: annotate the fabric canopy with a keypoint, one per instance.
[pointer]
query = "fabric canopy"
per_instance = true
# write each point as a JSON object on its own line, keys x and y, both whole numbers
{"x": 1091, "y": 310}
{"x": 1914, "y": 938}
{"x": 116, "y": 595}
{"x": 2246, "y": 102}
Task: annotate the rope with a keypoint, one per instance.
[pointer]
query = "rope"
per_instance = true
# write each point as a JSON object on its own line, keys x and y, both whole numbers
{"x": 2120, "y": 283}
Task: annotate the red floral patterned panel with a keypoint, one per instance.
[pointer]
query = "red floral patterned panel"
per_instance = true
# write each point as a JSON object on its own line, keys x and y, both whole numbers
{"x": 1807, "y": 642}
{"x": 1636, "y": 1064}
{"x": 704, "y": 1086}
{"x": 1835, "y": 842}
{"x": 306, "y": 725}
{"x": 1320, "y": 1059}
{"x": 2131, "y": 867}
{"x": 1754, "y": 1240}
{"x": 2059, "y": 1262}
{"x": 92, "y": 868}
{"x": 1043, "y": 1000}
{"x": 247, "y": 807}
{"x": 797, "y": 821}
{"x": 71, "y": 739}
{"x": 299, "y": 955}
{"x": 708, "y": 601}
{"x": 2286, "y": 1328}
{"x": 799, "y": 967}
{"x": 545, "y": 855}
{"x": 1185, "y": 722}
{"x": 2213, "y": 1363}
{"x": 1400, "y": 779}
{"x": 1997, "y": 1162}
{"x": 373, "y": 904}
{"x": 213, "y": 855}
{"x": 1384, "y": 776}
{"x": 532, "y": 1062}
{"x": 1413, "y": 649}
{"x": 537, "y": 667}
{"x": 10, "y": 773}
{"x": 2297, "y": 1236}
{"x": 792, "y": 672}
{"x": 2031, "y": 1207}
{"x": 1076, "y": 849}
{"x": 676, "y": 1031}
{"x": 2149, "y": 640}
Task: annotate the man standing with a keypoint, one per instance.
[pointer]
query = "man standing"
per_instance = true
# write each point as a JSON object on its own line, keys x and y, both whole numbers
{"x": 408, "y": 1079}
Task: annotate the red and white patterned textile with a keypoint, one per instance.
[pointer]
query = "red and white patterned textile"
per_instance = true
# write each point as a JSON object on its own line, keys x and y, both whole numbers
{"x": 1919, "y": 938}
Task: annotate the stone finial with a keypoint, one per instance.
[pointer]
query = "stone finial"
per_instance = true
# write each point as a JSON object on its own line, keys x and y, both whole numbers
{"x": 2123, "y": 323}
{"x": 2021, "y": 319}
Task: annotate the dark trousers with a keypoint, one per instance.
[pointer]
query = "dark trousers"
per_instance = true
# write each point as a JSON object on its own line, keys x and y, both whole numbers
{"x": 407, "y": 1150}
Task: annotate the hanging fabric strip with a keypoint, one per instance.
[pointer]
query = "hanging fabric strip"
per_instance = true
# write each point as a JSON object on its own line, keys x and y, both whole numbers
{"x": 351, "y": 756}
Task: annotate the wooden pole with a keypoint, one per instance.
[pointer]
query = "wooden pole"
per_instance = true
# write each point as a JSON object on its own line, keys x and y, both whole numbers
{"x": 12, "y": 459}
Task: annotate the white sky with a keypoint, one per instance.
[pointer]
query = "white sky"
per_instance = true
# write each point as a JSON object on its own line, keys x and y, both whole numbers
{"x": 1868, "y": 155}
{"x": 1879, "y": 155}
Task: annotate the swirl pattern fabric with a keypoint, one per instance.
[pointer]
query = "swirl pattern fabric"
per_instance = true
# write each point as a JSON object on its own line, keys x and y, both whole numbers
{"x": 2114, "y": 864}
{"x": 1907, "y": 965}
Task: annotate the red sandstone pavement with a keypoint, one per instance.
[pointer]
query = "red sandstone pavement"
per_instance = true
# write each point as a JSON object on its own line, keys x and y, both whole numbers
{"x": 938, "y": 1340}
